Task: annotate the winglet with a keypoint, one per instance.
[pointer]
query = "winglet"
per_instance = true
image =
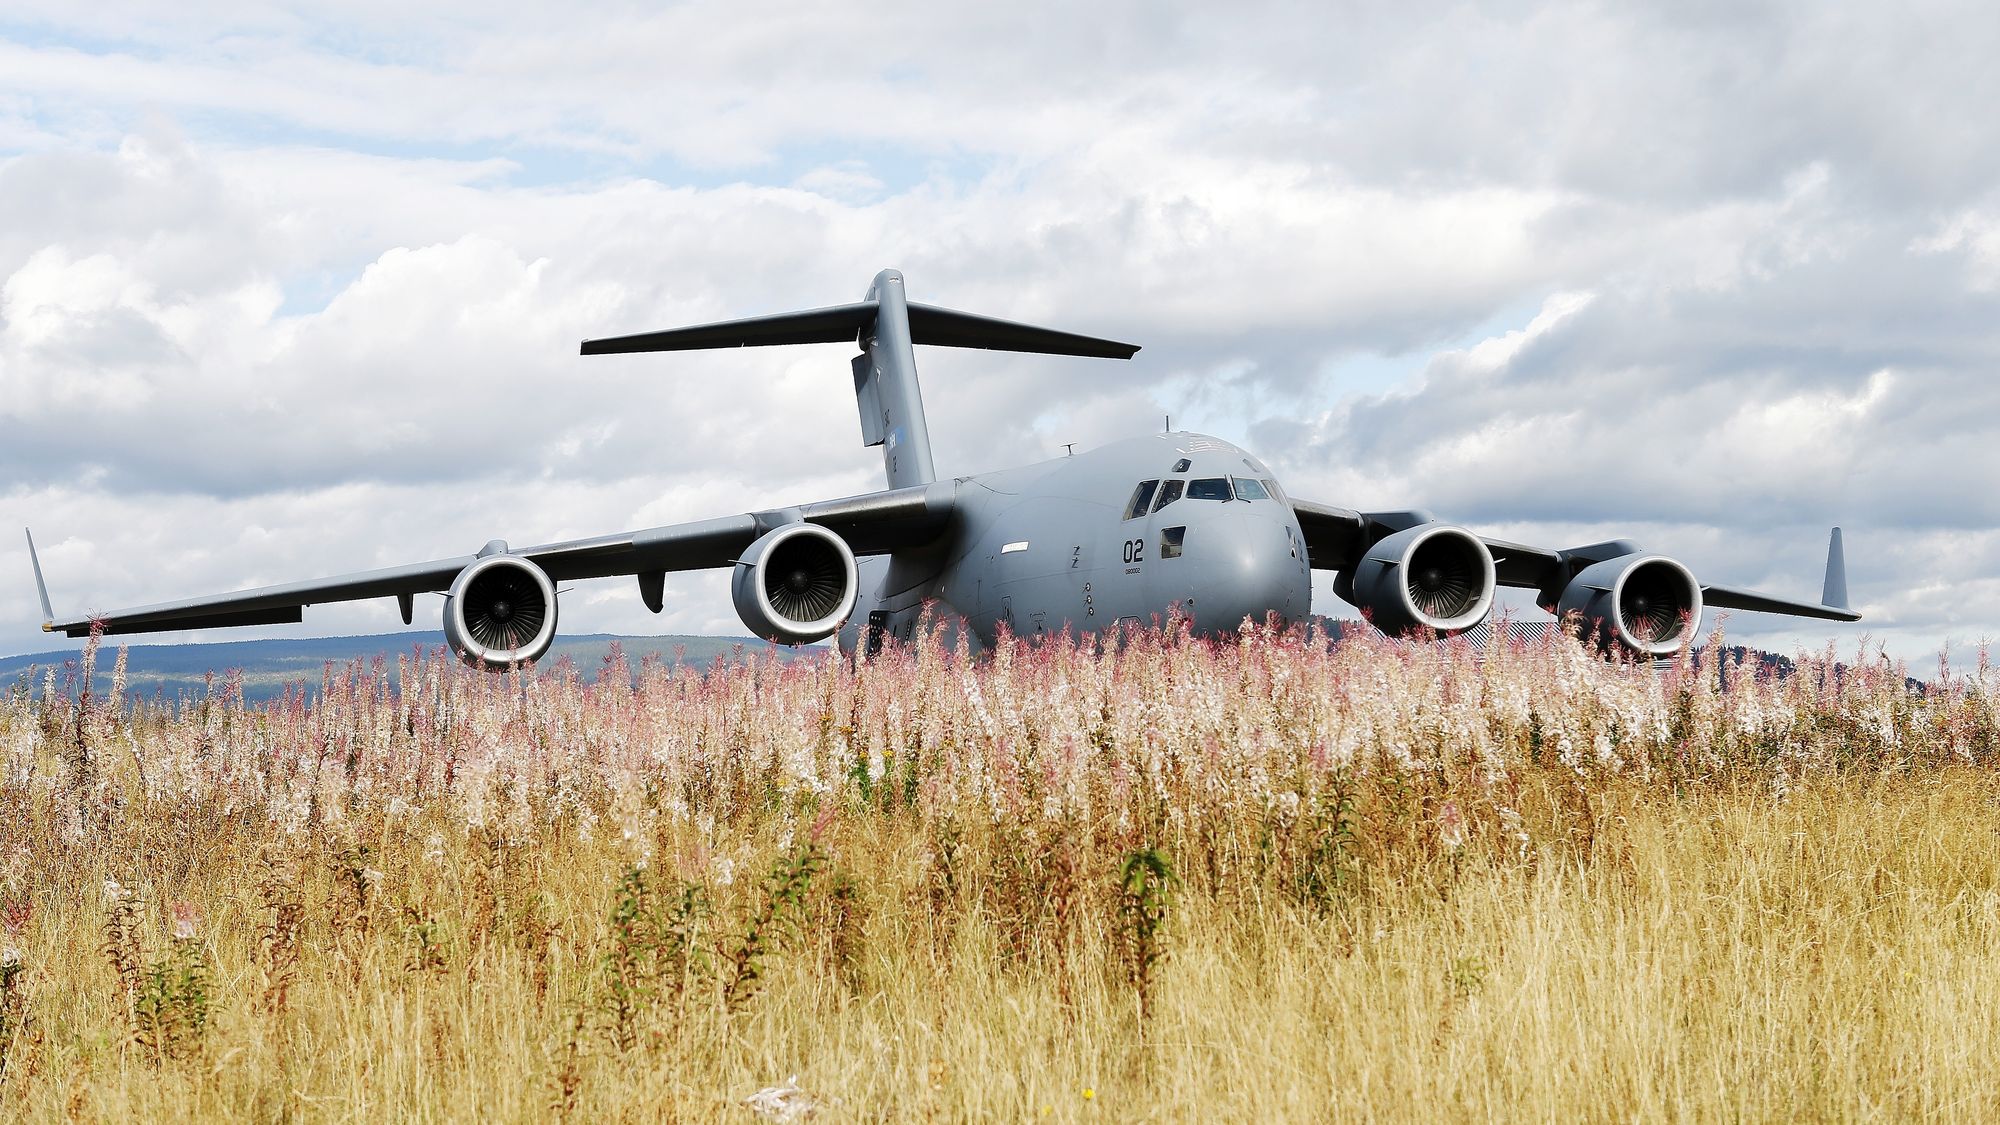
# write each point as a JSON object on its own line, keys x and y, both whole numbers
{"x": 1835, "y": 591}
{"x": 41, "y": 587}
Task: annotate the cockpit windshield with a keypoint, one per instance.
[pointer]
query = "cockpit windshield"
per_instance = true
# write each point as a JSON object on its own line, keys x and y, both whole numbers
{"x": 1170, "y": 491}
{"x": 1209, "y": 488}
{"x": 1247, "y": 489}
{"x": 1142, "y": 499}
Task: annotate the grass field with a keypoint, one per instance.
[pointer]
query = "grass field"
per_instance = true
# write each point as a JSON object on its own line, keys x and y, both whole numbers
{"x": 1179, "y": 881}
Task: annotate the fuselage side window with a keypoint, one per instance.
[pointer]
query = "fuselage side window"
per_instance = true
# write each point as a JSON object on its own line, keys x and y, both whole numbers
{"x": 1247, "y": 489}
{"x": 1142, "y": 499}
{"x": 1209, "y": 488}
{"x": 1171, "y": 539}
{"x": 1170, "y": 491}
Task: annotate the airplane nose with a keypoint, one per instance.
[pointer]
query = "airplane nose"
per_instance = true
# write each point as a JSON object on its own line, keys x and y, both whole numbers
{"x": 1251, "y": 568}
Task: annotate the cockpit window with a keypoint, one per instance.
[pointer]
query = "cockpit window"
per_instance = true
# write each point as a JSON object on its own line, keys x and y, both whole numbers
{"x": 1271, "y": 487}
{"x": 1209, "y": 488}
{"x": 1142, "y": 499}
{"x": 1170, "y": 491}
{"x": 1182, "y": 465}
{"x": 1171, "y": 539}
{"x": 1247, "y": 489}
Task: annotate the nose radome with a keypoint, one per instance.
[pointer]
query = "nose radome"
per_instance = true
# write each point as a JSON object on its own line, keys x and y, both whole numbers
{"x": 1254, "y": 572}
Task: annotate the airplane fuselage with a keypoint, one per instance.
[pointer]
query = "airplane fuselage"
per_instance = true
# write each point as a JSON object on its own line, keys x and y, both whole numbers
{"x": 1119, "y": 534}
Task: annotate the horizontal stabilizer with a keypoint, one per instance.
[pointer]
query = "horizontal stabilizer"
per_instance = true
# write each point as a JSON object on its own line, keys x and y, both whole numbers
{"x": 814, "y": 326}
{"x": 928, "y": 325}
{"x": 953, "y": 329}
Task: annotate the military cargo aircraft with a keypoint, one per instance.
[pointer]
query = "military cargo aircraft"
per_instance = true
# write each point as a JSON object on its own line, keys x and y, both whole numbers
{"x": 1116, "y": 535}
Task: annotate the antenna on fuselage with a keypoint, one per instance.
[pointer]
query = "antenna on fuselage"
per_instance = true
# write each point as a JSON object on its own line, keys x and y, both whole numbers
{"x": 885, "y": 325}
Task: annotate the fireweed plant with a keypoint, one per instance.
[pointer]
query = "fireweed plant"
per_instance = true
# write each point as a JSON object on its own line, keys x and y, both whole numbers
{"x": 1157, "y": 877}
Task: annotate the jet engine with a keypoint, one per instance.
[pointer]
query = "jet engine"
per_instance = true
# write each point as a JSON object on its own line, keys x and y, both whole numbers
{"x": 796, "y": 584}
{"x": 1433, "y": 575}
{"x": 1650, "y": 604}
{"x": 500, "y": 612}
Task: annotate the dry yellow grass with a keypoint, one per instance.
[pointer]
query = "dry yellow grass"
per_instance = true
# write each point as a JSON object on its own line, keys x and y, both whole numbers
{"x": 1805, "y": 927}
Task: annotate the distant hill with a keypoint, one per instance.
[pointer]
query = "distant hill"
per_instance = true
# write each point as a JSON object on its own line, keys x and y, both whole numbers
{"x": 270, "y": 665}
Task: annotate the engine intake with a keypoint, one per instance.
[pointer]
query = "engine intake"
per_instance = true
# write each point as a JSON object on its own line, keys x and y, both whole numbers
{"x": 796, "y": 584}
{"x": 1434, "y": 576}
{"x": 1650, "y": 604}
{"x": 500, "y": 612}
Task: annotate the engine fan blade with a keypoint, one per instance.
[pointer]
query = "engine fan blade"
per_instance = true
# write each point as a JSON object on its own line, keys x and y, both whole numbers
{"x": 1441, "y": 592}
{"x": 1651, "y": 611}
{"x": 808, "y": 589}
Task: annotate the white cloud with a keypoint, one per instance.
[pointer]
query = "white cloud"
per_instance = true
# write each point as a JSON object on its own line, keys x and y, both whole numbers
{"x": 1976, "y": 234}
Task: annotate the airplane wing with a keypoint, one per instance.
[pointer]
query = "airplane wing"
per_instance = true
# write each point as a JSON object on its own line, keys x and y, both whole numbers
{"x": 1732, "y": 597}
{"x": 872, "y": 523}
{"x": 1337, "y": 538}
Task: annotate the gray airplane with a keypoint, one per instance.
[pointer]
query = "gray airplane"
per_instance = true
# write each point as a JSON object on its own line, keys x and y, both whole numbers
{"x": 1117, "y": 535}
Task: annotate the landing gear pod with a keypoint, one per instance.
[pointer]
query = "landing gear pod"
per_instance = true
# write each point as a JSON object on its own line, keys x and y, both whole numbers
{"x": 1433, "y": 575}
{"x": 1650, "y": 604}
{"x": 500, "y": 612}
{"x": 795, "y": 585}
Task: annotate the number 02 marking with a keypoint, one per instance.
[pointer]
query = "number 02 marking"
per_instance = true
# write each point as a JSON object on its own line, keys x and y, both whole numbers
{"x": 1135, "y": 550}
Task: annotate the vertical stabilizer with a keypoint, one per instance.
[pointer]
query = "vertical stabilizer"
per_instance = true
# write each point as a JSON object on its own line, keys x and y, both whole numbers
{"x": 1835, "y": 591}
{"x": 885, "y": 383}
{"x": 41, "y": 587}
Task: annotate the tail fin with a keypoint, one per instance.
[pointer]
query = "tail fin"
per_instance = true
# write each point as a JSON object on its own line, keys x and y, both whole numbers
{"x": 1835, "y": 591}
{"x": 885, "y": 325}
{"x": 41, "y": 587}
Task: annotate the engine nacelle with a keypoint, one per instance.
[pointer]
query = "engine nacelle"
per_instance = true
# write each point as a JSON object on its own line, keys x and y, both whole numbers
{"x": 1650, "y": 604}
{"x": 1433, "y": 575}
{"x": 500, "y": 612}
{"x": 796, "y": 584}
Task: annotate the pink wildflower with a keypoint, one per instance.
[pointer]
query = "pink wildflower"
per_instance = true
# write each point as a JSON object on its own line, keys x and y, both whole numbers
{"x": 186, "y": 921}
{"x": 1451, "y": 826}
{"x": 14, "y": 917}
{"x": 822, "y": 822}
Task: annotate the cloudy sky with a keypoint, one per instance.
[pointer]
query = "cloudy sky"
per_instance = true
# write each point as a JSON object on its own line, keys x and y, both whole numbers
{"x": 298, "y": 291}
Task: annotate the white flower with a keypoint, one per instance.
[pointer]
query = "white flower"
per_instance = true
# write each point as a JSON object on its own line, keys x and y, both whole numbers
{"x": 783, "y": 1102}
{"x": 1285, "y": 808}
{"x": 115, "y": 890}
{"x": 10, "y": 958}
